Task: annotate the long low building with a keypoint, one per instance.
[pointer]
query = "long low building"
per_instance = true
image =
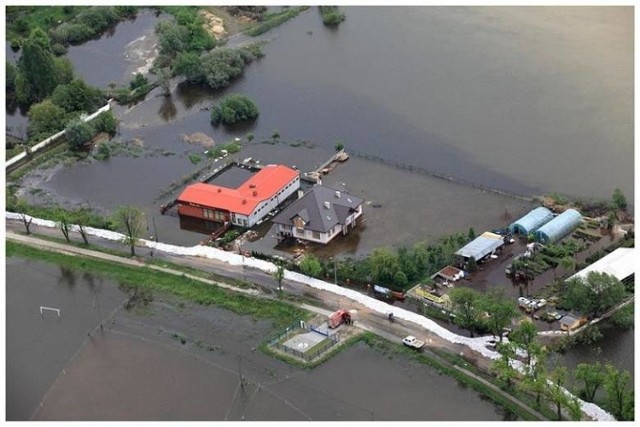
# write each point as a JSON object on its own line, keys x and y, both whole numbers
{"x": 485, "y": 244}
{"x": 243, "y": 206}
{"x": 531, "y": 221}
{"x": 559, "y": 227}
{"x": 620, "y": 263}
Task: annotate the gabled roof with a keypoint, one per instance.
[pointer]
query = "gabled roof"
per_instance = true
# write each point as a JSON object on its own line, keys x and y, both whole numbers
{"x": 481, "y": 246}
{"x": 321, "y": 217}
{"x": 244, "y": 199}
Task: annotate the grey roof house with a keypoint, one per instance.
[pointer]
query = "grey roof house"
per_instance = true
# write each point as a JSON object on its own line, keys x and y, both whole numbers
{"x": 319, "y": 215}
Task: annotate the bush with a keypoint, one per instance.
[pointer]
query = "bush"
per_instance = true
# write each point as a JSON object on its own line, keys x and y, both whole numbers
{"x": 69, "y": 33}
{"x": 79, "y": 133}
{"x": 331, "y": 15}
{"x": 105, "y": 122}
{"x": 45, "y": 119}
{"x": 273, "y": 20}
{"x": 78, "y": 96}
{"x": 103, "y": 152}
{"x": 234, "y": 108}
{"x": 138, "y": 81}
{"x": 58, "y": 49}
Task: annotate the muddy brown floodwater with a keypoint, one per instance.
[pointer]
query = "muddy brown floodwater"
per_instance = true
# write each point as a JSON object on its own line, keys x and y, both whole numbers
{"x": 138, "y": 367}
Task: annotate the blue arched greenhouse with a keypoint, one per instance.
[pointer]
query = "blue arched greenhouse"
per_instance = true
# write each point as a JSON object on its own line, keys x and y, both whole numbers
{"x": 531, "y": 221}
{"x": 559, "y": 227}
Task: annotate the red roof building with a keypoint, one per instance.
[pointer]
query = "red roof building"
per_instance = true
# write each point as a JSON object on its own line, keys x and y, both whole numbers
{"x": 245, "y": 205}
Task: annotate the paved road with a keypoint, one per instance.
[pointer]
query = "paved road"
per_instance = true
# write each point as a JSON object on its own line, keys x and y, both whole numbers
{"x": 366, "y": 319}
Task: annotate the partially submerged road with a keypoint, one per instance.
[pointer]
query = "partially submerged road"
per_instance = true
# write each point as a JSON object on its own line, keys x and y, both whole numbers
{"x": 366, "y": 319}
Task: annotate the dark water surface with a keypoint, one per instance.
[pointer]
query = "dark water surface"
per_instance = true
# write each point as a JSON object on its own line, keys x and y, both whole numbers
{"x": 139, "y": 368}
{"x": 39, "y": 347}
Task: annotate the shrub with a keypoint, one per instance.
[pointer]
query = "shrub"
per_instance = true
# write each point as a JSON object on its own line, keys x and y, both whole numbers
{"x": 105, "y": 122}
{"x": 70, "y": 33}
{"x": 45, "y": 119}
{"x": 194, "y": 158}
{"x": 77, "y": 96}
{"x": 79, "y": 133}
{"x": 234, "y": 108}
{"x": 103, "y": 152}
{"x": 58, "y": 49}
{"x": 138, "y": 81}
{"x": 331, "y": 15}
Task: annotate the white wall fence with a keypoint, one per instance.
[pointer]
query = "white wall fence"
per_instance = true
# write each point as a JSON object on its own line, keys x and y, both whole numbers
{"x": 14, "y": 161}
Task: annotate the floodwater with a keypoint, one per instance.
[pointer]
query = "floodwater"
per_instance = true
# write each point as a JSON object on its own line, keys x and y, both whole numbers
{"x": 39, "y": 347}
{"x": 138, "y": 368}
{"x": 528, "y": 100}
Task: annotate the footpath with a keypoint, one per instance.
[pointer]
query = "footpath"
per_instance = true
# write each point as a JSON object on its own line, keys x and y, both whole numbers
{"x": 365, "y": 318}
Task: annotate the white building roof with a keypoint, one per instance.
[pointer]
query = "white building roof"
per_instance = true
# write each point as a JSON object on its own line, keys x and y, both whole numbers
{"x": 619, "y": 263}
{"x": 483, "y": 245}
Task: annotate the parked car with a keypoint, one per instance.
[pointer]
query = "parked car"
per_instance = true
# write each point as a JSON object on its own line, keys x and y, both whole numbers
{"x": 552, "y": 316}
{"x": 524, "y": 302}
{"x": 413, "y": 342}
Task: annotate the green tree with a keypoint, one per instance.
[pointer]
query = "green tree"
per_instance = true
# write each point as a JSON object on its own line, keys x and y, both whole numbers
{"x": 593, "y": 295}
{"x": 618, "y": 200}
{"x": 138, "y": 81}
{"x": 62, "y": 221}
{"x": 384, "y": 266}
{"x": 172, "y": 38}
{"x": 536, "y": 377}
{"x": 555, "y": 392}
{"x": 471, "y": 234}
{"x": 592, "y": 376}
{"x": 275, "y": 136}
{"x": 164, "y": 79}
{"x": 616, "y": 384}
{"x": 472, "y": 264}
{"x": 465, "y": 303}
{"x": 400, "y": 279}
{"x": 526, "y": 336}
{"x": 250, "y": 137}
{"x": 38, "y": 75}
{"x": 82, "y": 218}
{"x": 501, "y": 311}
{"x": 568, "y": 263}
{"x": 623, "y": 318}
{"x": 21, "y": 208}
{"x": 220, "y": 66}
{"x": 130, "y": 220}
{"x": 234, "y": 108}
{"x": 279, "y": 275}
{"x": 339, "y": 145}
{"x": 310, "y": 265}
{"x": 79, "y": 133}
{"x": 105, "y": 122}
{"x": 187, "y": 64}
{"x": 45, "y": 119}
{"x": 77, "y": 96}
{"x": 502, "y": 368}
{"x": 10, "y": 78}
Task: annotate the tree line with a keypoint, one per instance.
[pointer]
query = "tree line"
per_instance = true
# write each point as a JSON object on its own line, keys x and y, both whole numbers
{"x": 544, "y": 383}
{"x": 399, "y": 271}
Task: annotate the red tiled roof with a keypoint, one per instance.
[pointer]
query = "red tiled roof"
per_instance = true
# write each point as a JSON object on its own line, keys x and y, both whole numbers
{"x": 244, "y": 199}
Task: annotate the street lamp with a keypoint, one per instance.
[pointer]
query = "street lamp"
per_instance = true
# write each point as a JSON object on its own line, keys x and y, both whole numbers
{"x": 335, "y": 270}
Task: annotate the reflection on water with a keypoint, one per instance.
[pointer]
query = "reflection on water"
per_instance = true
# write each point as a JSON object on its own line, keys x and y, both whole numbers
{"x": 167, "y": 109}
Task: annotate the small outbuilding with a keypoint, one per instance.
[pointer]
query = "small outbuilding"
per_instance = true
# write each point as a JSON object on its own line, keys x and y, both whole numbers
{"x": 559, "y": 227}
{"x": 531, "y": 221}
{"x": 570, "y": 322}
{"x": 485, "y": 244}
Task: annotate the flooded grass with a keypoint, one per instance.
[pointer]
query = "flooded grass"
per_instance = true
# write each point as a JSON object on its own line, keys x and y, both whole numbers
{"x": 192, "y": 290}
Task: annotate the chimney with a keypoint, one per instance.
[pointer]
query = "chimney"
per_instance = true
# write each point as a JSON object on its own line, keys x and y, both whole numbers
{"x": 244, "y": 201}
{"x": 219, "y": 190}
{"x": 337, "y": 194}
{"x": 300, "y": 194}
{"x": 255, "y": 193}
{"x": 327, "y": 205}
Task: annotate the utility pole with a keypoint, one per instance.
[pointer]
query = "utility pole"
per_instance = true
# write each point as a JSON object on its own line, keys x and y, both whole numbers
{"x": 240, "y": 372}
{"x": 155, "y": 230}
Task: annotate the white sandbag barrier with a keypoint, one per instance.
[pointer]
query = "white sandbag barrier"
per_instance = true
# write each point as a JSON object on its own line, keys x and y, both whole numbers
{"x": 477, "y": 344}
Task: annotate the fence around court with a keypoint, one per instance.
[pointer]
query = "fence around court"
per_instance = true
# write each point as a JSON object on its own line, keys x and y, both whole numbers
{"x": 277, "y": 341}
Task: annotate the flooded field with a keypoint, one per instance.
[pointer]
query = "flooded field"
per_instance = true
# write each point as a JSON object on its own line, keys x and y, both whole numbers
{"x": 178, "y": 361}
